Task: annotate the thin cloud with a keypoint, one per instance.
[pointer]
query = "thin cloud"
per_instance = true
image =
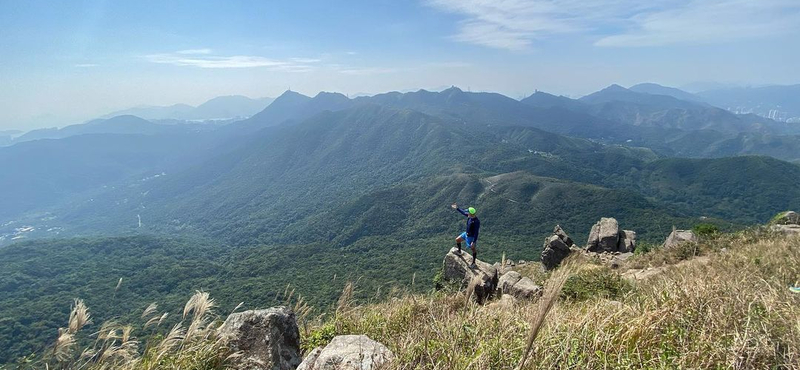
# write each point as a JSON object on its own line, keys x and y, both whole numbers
{"x": 202, "y": 58}
{"x": 87, "y": 65}
{"x": 194, "y": 51}
{"x": 710, "y": 21}
{"x": 236, "y": 61}
{"x": 305, "y": 60}
{"x": 517, "y": 24}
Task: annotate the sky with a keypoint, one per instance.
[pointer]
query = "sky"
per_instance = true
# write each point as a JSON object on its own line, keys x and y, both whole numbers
{"x": 64, "y": 62}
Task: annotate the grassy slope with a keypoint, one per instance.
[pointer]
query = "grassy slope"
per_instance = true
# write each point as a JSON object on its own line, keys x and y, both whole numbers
{"x": 734, "y": 310}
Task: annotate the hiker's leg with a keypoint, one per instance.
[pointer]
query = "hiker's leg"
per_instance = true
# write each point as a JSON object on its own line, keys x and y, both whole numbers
{"x": 460, "y": 239}
{"x": 474, "y": 252}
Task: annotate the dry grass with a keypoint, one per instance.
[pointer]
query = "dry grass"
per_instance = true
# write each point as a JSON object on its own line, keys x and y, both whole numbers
{"x": 734, "y": 312}
{"x": 115, "y": 346}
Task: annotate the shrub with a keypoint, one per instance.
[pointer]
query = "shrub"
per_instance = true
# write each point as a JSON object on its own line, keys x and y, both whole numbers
{"x": 705, "y": 230}
{"x": 596, "y": 282}
{"x": 319, "y": 337}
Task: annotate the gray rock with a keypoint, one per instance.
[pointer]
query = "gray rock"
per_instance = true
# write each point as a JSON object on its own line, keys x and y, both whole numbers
{"x": 349, "y": 352}
{"x": 627, "y": 241}
{"x": 519, "y": 287}
{"x": 457, "y": 268}
{"x": 604, "y": 236}
{"x": 608, "y": 234}
{"x": 525, "y": 288}
{"x": 553, "y": 252}
{"x": 787, "y": 218}
{"x": 563, "y": 236}
{"x": 267, "y": 339}
{"x": 594, "y": 238}
{"x": 508, "y": 280}
{"x": 678, "y": 237}
{"x": 618, "y": 259}
{"x": 556, "y": 248}
{"x": 790, "y": 230}
{"x": 311, "y": 359}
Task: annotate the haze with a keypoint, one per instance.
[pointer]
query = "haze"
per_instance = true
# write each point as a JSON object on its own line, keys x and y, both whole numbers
{"x": 66, "y": 62}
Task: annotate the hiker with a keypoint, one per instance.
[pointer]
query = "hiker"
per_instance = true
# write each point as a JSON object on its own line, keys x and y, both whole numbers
{"x": 471, "y": 235}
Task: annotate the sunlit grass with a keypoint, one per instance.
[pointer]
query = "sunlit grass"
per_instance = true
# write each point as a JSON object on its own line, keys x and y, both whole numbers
{"x": 734, "y": 310}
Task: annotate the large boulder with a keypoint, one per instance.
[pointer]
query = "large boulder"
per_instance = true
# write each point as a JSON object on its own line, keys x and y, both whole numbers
{"x": 563, "y": 235}
{"x": 266, "y": 339}
{"x": 627, "y": 241}
{"x": 787, "y": 218}
{"x": 556, "y": 248}
{"x": 484, "y": 277}
{"x": 678, "y": 237}
{"x": 518, "y": 286}
{"x": 525, "y": 288}
{"x": 508, "y": 280}
{"x": 607, "y": 237}
{"x": 608, "y": 234}
{"x": 348, "y": 352}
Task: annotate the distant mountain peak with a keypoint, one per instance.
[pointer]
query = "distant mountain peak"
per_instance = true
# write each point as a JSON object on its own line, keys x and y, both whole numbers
{"x": 290, "y": 94}
{"x": 614, "y": 88}
{"x": 330, "y": 95}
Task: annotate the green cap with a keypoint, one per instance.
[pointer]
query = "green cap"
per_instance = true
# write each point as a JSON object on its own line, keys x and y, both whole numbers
{"x": 472, "y": 210}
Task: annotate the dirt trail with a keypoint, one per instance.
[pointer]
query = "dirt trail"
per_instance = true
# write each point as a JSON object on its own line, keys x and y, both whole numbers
{"x": 647, "y": 272}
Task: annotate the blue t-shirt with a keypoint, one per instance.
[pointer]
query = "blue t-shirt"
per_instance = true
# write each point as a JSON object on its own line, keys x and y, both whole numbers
{"x": 473, "y": 224}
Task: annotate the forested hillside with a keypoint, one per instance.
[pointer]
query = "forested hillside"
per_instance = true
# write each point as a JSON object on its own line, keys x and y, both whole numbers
{"x": 315, "y": 191}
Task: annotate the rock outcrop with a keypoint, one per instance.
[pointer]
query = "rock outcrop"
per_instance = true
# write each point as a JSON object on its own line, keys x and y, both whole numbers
{"x": 267, "y": 339}
{"x": 606, "y": 237}
{"x": 787, "y": 218}
{"x": 484, "y": 276}
{"x": 678, "y": 237}
{"x": 789, "y": 230}
{"x": 556, "y": 248}
{"x": 518, "y": 286}
{"x": 627, "y": 241}
{"x": 348, "y": 352}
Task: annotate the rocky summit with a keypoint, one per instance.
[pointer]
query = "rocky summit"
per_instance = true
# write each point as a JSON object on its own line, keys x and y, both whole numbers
{"x": 485, "y": 281}
{"x": 556, "y": 248}
{"x": 606, "y": 236}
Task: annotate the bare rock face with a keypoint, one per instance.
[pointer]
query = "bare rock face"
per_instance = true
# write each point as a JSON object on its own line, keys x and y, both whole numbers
{"x": 508, "y": 280}
{"x": 607, "y": 237}
{"x": 484, "y": 276}
{"x": 267, "y": 339}
{"x": 349, "y": 352}
{"x": 608, "y": 234}
{"x": 515, "y": 285}
{"x": 525, "y": 288}
{"x": 563, "y": 236}
{"x": 787, "y": 218}
{"x": 627, "y": 241}
{"x": 678, "y": 237}
{"x": 789, "y": 230}
{"x": 556, "y": 248}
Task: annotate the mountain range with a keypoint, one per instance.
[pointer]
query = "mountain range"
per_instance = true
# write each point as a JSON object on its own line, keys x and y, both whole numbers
{"x": 239, "y": 181}
{"x": 219, "y": 108}
{"x": 310, "y": 187}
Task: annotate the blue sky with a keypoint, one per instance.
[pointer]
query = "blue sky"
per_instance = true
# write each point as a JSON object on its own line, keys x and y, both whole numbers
{"x": 67, "y": 61}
